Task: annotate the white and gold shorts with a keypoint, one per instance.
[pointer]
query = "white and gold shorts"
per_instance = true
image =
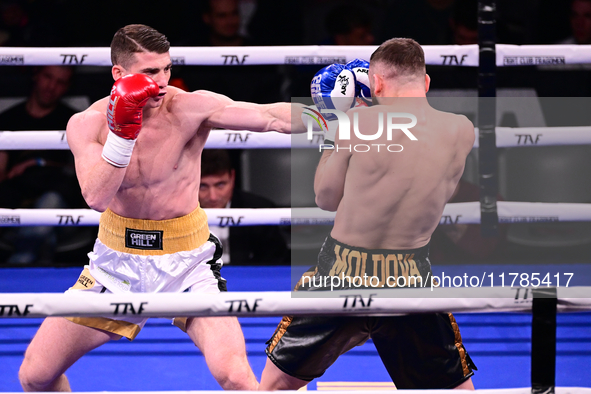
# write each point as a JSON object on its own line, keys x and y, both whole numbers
{"x": 150, "y": 256}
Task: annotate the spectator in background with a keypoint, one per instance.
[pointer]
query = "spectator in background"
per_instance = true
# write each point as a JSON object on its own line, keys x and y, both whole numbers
{"x": 464, "y": 242}
{"x": 252, "y": 245}
{"x": 236, "y": 79}
{"x": 277, "y": 22}
{"x": 346, "y": 23}
{"x": 349, "y": 24}
{"x": 222, "y": 17}
{"x": 39, "y": 179}
{"x": 580, "y": 23}
{"x": 463, "y": 24}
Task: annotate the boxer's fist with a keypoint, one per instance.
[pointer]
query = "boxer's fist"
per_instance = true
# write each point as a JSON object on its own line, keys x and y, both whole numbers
{"x": 124, "y": 116}
{"x": 360, "y": 69}
{"x": 128, "y": 97}
{"x": 333, "y": 87}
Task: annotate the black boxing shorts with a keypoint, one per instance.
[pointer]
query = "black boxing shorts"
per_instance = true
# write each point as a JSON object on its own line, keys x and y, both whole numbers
{"x": 341, "y": 266}
{"x": 421, "y": 351}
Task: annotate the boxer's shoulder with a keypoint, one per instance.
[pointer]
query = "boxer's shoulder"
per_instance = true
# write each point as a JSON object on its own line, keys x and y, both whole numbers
{"x": 98, "y": 106}
{"x": 459, "y": 123}
{"x": 452, "y": 120}
{"x": 456, "y": 125}
{"x": 85, "y": 127}
{"x": 95, "y": 115}
{"x": 201, "y": 100}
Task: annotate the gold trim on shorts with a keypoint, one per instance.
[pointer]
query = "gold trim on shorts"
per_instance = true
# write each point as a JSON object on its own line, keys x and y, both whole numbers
{"x": 281, "y": 329}
{"x": 180, "y": 234}
{"x": 458, "y": 343}
{"x": 181, "y": 322}
{"x": 308, "y": 274}
{"x": 119, "y": 327}
{"x": 85, "y": 281}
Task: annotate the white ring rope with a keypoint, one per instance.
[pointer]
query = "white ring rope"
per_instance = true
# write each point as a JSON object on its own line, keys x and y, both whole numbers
{"x": 218, "y": 139}
{"x": 506, "y": 137}
{"x": 89, "y": 217}
{"x": 523, "y": 390}
{"x": 542, "y": 55}
{"x": 447, "y": 55}
{"x": 234, "y": 56}
{"x": 375, "y": 302}
{"x": 454, "y": 213}
{"x": 510, "y": 137}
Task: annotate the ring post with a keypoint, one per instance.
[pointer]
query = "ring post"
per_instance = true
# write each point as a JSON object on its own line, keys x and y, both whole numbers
{"x": 487, "y": 149}
{"x": 543, "y": 341}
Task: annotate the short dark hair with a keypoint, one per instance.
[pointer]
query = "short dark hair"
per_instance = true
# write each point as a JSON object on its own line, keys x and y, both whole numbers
{"x": 133, "y": 39}
{"x": 404, "y": 56}
{"x": 215, "y": 162}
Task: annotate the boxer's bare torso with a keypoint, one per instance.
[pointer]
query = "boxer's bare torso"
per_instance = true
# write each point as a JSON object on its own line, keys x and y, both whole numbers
{"x": 162, "y": 179}
{"x": 395, "y": 200}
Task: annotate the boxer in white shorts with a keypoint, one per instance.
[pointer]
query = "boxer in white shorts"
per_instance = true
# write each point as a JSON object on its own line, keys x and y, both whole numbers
{"x": 138, "y": 160}
{"x": 149, "y": 256}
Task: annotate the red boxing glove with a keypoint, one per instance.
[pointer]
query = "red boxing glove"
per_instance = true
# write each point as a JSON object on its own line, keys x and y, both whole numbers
{"x": 124, "y": 116}
{"x": 128, "y": 96}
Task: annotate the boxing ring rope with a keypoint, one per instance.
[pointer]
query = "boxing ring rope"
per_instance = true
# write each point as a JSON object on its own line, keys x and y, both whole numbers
{"x": 453, "y": 213}
{"x": 524, "y": 390}
{"x": 244, "y": 55}
{"x": 445, "y": 55}
{"x": 358, "y": 302}
{"x": 506, "y": 137}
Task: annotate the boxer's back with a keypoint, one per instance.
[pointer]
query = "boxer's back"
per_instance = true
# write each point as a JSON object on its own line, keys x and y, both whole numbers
{"x": 394, "y": 200}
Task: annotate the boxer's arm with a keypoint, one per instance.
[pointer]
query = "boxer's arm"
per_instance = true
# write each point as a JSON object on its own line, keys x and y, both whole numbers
{"x": 238, "y": 115}
{"x": 329, "y": 180}
{"x": 101, "y": 167}
{"x": 99, "y": 180}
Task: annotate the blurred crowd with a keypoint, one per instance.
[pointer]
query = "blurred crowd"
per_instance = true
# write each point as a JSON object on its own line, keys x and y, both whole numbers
{"x": 288, "y": 22}
{"x": 42, "y": 179}
{"x": 68, "y": 23}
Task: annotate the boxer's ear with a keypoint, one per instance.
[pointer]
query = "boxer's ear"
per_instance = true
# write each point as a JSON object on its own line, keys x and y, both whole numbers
{"x": 117, "y": 72}
{"x": 378, "y": 84}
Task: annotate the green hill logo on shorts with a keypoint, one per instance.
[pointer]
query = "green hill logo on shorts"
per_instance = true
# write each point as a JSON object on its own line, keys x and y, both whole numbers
{"x": 143, "y": 239}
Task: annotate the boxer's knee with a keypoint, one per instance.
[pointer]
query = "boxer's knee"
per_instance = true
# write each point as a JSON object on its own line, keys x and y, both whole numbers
{"x": 237, "y": 376}
{"x": 34, "y": 377}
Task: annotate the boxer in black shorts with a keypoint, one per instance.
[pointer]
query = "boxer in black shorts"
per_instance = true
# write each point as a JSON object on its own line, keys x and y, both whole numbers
{"x": 419, "y": 351}
{"x": 389, "y": 189}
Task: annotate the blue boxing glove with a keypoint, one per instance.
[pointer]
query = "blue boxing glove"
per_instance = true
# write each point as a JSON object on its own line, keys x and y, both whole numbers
{"x": 333, "y": 87}
{"x": 360, "y": 69}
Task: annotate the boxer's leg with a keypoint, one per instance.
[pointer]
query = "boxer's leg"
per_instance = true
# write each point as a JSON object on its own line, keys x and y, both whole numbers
{"x": 221, "y": 341}
{"x": 275, "y": 379}
{"x": 57, "y": 345}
